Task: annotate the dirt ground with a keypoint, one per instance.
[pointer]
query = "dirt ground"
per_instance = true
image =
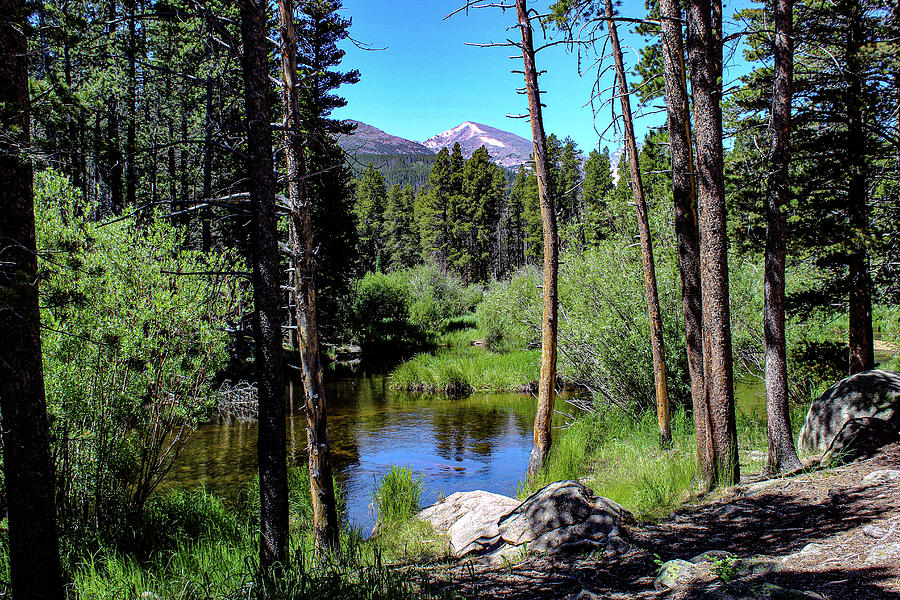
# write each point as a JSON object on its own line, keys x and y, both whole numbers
{"x": 829, "y": 534}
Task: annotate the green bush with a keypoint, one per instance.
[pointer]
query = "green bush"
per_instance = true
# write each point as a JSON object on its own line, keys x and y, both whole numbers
{"x": 409, "y": 307}
{"x": 604, "y": 331}
{"x": 130, "y": 349}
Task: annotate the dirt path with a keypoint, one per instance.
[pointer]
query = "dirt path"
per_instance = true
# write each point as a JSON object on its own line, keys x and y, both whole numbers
{"x": 830, "y": 533}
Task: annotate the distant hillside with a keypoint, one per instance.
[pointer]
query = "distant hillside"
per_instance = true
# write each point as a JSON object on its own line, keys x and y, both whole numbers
{"x": 507, "y": 149}
{"x": 404, "y": 169}
{"x": 371, "y": 140}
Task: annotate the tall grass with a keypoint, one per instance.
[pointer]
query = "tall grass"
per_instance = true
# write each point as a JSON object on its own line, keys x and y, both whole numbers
{"x": 397, "y": 496}
{"x": 398, "y": 534}
{"x": 619, "y": 456}
{"x": 467, "y": 369}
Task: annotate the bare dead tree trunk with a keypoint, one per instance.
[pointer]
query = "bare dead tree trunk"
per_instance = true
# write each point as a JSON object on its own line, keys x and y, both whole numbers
{"x": 33, "y": 546}
{"x": 658, "y": 347}
{"x": 782, "y": 455}
{"x": 862, "y": 350}
{"x": 547, "y": 384}
{"x": 271, "y": 450}
{"x": 686, "y": 233}
{"x": 705, "y": 55}
{"x": 325, "y": 517}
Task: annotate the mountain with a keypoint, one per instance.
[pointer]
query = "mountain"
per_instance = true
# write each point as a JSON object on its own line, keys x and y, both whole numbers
{"x": 507, "y": 149}
{"x": 371, "y": 140}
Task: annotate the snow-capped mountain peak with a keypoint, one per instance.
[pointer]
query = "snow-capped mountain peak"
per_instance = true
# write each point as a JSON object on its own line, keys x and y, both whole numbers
{"x": 505, "y": 148}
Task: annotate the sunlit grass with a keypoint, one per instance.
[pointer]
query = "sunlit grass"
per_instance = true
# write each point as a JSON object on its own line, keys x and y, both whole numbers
{"x": 467, "y": 368}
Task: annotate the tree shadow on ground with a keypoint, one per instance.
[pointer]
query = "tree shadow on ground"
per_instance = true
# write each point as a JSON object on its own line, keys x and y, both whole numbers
{"x": 827, "y": 508}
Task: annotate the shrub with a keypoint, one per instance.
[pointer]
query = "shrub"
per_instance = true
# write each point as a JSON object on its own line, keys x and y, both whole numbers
{"x": 604, "y": 330}
{"x": 130, "y": 348}
{"x": 409, "y": 307}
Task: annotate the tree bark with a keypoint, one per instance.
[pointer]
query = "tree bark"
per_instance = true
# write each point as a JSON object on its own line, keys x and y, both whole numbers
{"x": 862, "y": 350}
{"x": 705, "y": 55}
{"x": 325, "y": 516}
{"x": 782, "y": 455}
{"x": 686, "y": 233}
{"x": 33, "y": 546}
{"x": 547, "y": 383}
{"x": 267, "y": 320}
{"x": 658, "y": 347}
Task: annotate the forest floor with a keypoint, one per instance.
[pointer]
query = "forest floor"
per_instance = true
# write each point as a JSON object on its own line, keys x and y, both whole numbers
{"x": 831, "y": 534}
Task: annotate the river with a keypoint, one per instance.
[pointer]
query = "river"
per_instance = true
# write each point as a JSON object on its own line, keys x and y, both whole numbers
{"x": 479, "y": 442}
{"x": 456, "y": 444}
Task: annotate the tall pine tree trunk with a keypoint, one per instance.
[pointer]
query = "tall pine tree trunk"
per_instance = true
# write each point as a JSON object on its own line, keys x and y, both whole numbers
{"x": 686, "y": 233}
{"x": 321, "y": 482}
{"x": 862, "y": 351}
{"x": 705, "y": 55}
{"x": 33, "y": 547}
{"x": 658, "y": 346}
{"x": 782, "y": 455}
{"x": 271, "y": 452}
{"x": 547, "y": 383}
{"x": 131, "y": 175}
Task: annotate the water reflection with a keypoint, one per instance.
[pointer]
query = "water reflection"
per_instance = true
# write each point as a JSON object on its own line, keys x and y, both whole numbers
{"x": 479, "y": 442}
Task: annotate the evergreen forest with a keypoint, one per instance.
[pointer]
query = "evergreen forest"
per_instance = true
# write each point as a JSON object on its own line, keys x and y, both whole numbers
{"x": 237, "y": 360}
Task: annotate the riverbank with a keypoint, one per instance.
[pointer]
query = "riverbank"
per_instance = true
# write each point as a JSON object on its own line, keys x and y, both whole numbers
{"x": 464, "y": 369}
{"x": 832, "y": 534}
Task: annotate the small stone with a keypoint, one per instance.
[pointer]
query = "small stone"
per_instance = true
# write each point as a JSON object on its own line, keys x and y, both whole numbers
{"x": 884, "y": 553}
{"x": 761, "y": 485}
{"x": 811, "y": 549}
{"x": 882, "y": 476}
{"x": 757, "y": 455}
{"x": 875, "y": 532}
{"x": 673, "y": 574}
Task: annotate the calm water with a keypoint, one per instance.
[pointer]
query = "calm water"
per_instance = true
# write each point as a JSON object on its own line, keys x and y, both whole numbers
{"x": 480, "y": 442}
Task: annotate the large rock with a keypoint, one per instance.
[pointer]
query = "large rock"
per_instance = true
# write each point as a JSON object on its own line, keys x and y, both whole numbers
{"x": 466, "y": 516}
{"x": 859, "y": 438}
{"x": 869, "y": 394}
{"x": 561, "y": 516}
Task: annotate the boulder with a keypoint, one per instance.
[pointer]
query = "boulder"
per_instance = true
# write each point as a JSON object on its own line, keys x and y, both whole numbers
{"x": 560, "y": 516}
{"x": 873, "y": 394}
{"x": 859, "y": 438}
{"x": 465, "y": 516}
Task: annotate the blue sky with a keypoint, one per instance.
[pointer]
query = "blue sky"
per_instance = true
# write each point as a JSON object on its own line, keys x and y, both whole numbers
{"x": 427, "y": 79}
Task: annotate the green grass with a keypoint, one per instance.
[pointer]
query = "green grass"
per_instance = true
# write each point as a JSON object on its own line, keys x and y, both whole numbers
{"x": 397, "y": 496}
{"x": 465, "y": 369}
{"x": 400, "y": 536}
{"x": 619, "y": 457}
{"x": 191, "y": 545}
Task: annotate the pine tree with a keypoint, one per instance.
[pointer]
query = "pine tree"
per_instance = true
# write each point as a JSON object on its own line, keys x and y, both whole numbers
{"x": 34, "y": 565}
{"x": 368, "y": 209}
{"x": 596, "y": 189}
{"x": 401, "y": 243}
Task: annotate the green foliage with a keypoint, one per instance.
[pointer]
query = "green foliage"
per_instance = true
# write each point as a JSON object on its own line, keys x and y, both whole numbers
{"x": 598, "y": 185}
{"x": 466, "y": 369}
{"x": 508, "y": 314}
{"x": 397, "y": 169}
{"x": 132, "y": 337}
{"x": 619, "y": 457}
{"x": 401, "y": 244}
{"x": 409, "y": 306}
{"x": 397, "y": 496}
{"x": 368, "y": 209}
